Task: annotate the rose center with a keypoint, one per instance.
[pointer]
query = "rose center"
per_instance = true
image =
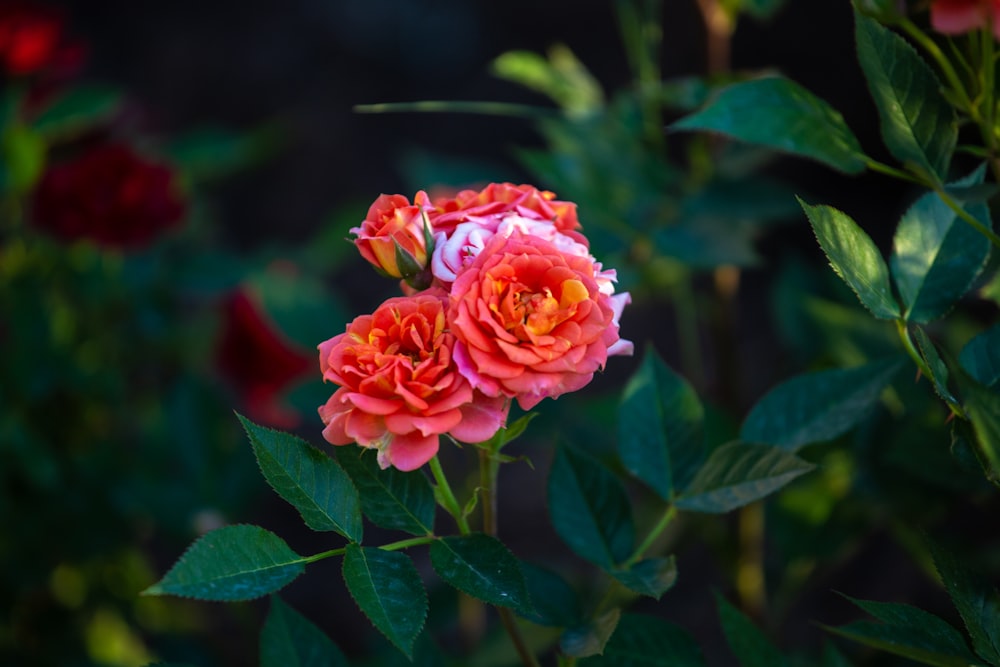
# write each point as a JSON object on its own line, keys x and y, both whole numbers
{"x": 527, "y": 314}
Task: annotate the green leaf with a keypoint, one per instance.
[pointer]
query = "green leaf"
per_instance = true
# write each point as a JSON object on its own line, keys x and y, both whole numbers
{"x": 288, "y": 639}
{"x": 590, "y": 639}
{"x": 918, "y": 125}
{"x": 939, "y": 371}
{"x": 209, "y": 153}
{"x": 910, "y": 632}
{"x": 562, "y": 77}
{"x": 387, "y": 588}
{"x": 782, "y": 115}
{"x": 589, "y": 508}
{"x": 747, "y": 642}
{"x": 482, "y": 567}
{"x": 832, "y": 657}
{"x": 390, "y": 498}
{"x": 898, "y": 641}
{"x": 652, "y": 576}
{"x": 736, "y": 474}
{"x": 76, "y": 110}
{"x": 977, "y": 602}
{"x": 307, "y": 478}
{"x": 648, "y": 641}
{"x": 660, "y": 427}
{"x": 816, "y": 407}
{"x": 981, "y": 358}
{"x": 936, "y": 255}
{"x": 239, "y": 562}
{"x": 854, "y": 258}
{"x": 555, "y": 603}
{"x": 983, "y": 408}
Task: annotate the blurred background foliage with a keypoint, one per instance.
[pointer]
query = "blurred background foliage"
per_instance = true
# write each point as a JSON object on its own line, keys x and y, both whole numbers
{"x": 240, "y": 128}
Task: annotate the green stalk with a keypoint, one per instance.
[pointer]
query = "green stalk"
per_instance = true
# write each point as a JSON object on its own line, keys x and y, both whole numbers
{"x": 392, "y": 546}
{"x": 489, "y": 469}
{"x": 942, "y": 61}
{"x": 967, "y": 217}
{"x": 665, "y": 520}
{"x": 448, "y": 106}
{"x": 446, "y": 497}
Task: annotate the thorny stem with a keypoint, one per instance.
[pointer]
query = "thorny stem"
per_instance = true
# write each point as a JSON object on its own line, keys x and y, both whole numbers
{"x": 918, "y": 359}
{"x": 489, "y": 469}
{"x": 446, "y": 497}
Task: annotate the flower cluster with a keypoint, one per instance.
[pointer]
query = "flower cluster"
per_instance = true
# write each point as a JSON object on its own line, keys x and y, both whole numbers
{"x": 954, "y": 17}
{"x": 503, "y": 301}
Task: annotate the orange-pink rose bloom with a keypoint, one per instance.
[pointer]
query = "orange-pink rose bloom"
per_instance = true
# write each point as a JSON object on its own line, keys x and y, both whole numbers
{"x": 399, "y": 388}
{"x": 531, "y": 321}
{"x": 954, "y": 17}
{"x": 392, "y": 221}
{"x": 502, "y": 199}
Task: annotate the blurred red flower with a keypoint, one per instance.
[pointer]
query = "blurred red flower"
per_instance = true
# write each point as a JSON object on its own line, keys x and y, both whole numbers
{"x": 109, "y": 194}
{"x": 954, "y": 17}
{"x": 33, "y": 39}
{"x": 259, "y": 361}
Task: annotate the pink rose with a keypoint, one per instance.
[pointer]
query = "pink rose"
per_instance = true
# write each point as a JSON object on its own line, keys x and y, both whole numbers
{"x": 391, "y": 237}
{"x": 503, "y": 199}
{"x": 954, "y": 17}
{"x": 452, "y": 253}
{"x": 399, "y": 386}
{"x": 531, "y": 320}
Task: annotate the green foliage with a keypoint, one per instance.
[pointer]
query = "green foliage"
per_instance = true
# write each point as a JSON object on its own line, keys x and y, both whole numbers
{"x": 652, "y": 577}
{"x": 554, "y": 602}
{"x": 977, "y": 602}
{"x": 590, "y": 639}
{"x": 748, "y": 643}
{"x": 77, "y": 110}
{"x": 290, "y": 640}
{"x": 648, "y": 641}
{"x": 918, "y": 125}
{"x": 589, "y": 509}
{"x": 854, "y": 258}
{"x": 660, "y": 427}
{"x": 308, "y": 479}
{"x": 481, "y": 566}
{"x": 909, "y": 632}
{"x": 390, "y": 498}
{"x": 737, "y": 474}
{"x": 782, "y": 115}
{"x": 232, "y": 563}
{"x": 936, "y": 255}
{"x": 817, "y": 406}
{"x": 981, "y": 357}
{"x": 387, "y": 588}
